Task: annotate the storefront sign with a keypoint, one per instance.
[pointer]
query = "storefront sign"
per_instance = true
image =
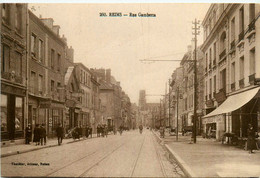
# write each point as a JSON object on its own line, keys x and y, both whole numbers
{"x": 45, "y": 104}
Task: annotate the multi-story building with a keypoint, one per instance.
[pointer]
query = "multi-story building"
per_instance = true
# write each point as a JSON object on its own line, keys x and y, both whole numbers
{"x": 176, "y": 86}
{"x": 83, "y": 74}
{"x": 111, "y": 98}
{"x": 95, "y": 116}
{"x": 13, "y": 70}
{"x": 183, "y": 86}
{"x": 46, "y": 50}
{"x": 231, "y": 46}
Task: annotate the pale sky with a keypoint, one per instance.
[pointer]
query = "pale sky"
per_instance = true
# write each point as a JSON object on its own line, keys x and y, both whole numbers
{"x": 120, "y": 42}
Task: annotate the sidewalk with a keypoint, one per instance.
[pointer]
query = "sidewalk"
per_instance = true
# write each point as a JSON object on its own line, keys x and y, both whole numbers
{"x": 208, "y": 158}
{"x": 23, "y": 148}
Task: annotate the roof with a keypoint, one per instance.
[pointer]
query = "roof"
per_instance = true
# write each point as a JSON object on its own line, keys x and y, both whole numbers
{"x": 105, "y": 85}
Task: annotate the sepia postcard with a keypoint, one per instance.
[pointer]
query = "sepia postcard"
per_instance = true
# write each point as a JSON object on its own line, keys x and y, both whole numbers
{"x": 120, "y": 89}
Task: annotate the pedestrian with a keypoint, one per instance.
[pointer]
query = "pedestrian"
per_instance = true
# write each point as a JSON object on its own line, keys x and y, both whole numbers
{"x": 102, "y": 130}
{"x": 105, "y": 130}
{"x": 121, "y": 129}
{"x": 114, "y": 130}
{"x": 59, "y": 132}
{"x": 87, "y": 132}
{"x": 98, "y": 130}
{"x": 36, "y": 133}
{"x": 90, "y": 131}
{"x": 43, "y": 134}
{"x": 251, "y": 143}
{"x": 28, "y": 134}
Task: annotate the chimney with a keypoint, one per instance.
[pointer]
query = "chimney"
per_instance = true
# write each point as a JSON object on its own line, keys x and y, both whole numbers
{"x": 48, "y": 22}
{"x": 70, "y": 54}
{"x": 108, "y": 75}
{"x": 64, "y": 38}
{"x": 56, "y": 29}
{"x": 189, "y": 48}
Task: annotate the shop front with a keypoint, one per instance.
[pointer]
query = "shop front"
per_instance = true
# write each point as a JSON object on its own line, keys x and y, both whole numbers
{"x": 235, "y": 113}
{"x": 12, "y": 112}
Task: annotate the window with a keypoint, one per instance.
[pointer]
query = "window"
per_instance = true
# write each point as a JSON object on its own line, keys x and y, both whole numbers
{"x": 18, "y": 18}
{"x": 81, "y": 74}
{"x": 241, "y": 20}
{"x": 206, "y": 89}
{"x": 233, "y": 72}
{"x": 59, "y": 64}
{"x": 40, "y": 82}
{"x": 5, "y": 62}
{"x": 6, "y": 12}
{"x": 251, "y": 12}
{"x": 206, "y": 60}
{"x": 52, "y": 85}
{"x": 52, "y": 58}
{"x": 215, "y": 53}
{"x": 18, "y": 113}
{"x": 33, "y": 45}
{"x": 3, "y": 119}
{"x": 18, "y": 64}
{"x": 252, "y": 61}
{"x": 241, "y": 67}
{"x": 223, "y": 42}
{"x": 210, "y": 58}
{"x": 210, "y": 87}
{"x": 214, "y": 17}
{"x": 215, "y": 84}
{"x": 40, "y": 50}
{"x": 233, "y": 32}
{"x": 33, "y": 82}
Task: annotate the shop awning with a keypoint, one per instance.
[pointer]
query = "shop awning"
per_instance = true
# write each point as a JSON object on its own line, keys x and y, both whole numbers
{"x": 234, "y": 102}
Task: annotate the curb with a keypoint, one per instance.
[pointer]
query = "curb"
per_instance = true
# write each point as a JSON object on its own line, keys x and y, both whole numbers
{"x": 184, "y": 167}
{"x": 35, "y": 149}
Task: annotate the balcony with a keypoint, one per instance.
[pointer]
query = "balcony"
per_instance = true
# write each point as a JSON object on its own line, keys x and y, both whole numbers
{"x": 251, "y": 26}
{"x": 241, "y": 83}
{"x": 233, "y": 86}
{"x": 221, "y": 96}
{"x": 241, "y": 36}
{"x": 209, "y": 65}
{"x": 214, "y": 62}
{"x": 232, "y": 45}
{"x": 222, "y": 54}
{"x": 251, "y": 79}
{"x": 12, "y": 77}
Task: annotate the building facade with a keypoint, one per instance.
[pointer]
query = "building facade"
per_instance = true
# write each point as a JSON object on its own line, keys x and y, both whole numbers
{"x": 231, "y": 46}
{"x": 13, "y": 70}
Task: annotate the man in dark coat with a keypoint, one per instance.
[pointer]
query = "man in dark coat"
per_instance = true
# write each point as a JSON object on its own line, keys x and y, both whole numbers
{"x": 98, "y": 130}
{"x": 251, "y": 143}
{"x": 59, "y": 132}
{"x": 87, "y": 131}
{"x": 28, "y": 134}
{"x": 43, "y": 134}
{"x": 36, "y": 137}
{"x": 90, "y": 131}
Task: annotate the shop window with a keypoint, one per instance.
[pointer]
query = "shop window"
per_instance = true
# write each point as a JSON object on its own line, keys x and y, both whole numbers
{"x": 41, "y": 116}
{"x": 18, "y": 113}
{"x": 3, "y": 116}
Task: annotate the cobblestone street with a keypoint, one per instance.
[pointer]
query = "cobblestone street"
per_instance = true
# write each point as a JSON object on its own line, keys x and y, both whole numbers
{"x": 131, "y": 155}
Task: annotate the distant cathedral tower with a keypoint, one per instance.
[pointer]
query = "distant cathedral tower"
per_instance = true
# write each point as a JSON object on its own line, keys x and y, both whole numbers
{"x": 142, "y": 100}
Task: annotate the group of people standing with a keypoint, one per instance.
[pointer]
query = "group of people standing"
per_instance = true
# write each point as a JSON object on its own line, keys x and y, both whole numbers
{"x": 102, "y": 130}
{"x": 39, "y": 135}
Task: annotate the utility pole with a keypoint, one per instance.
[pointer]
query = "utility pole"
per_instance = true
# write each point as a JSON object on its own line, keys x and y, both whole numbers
{"x": 169, "y": 104}
{"x": 195, "y": 33}
{"x": 165, "y": 96}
